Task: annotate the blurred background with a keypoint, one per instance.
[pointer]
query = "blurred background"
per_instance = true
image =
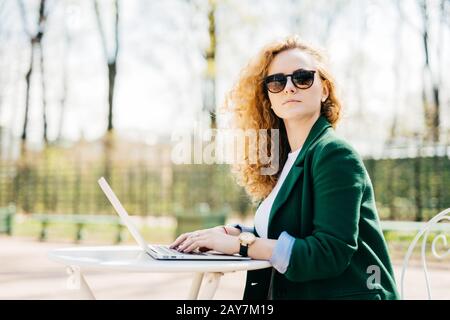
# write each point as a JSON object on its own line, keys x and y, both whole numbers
{"x": 92, "y": 88}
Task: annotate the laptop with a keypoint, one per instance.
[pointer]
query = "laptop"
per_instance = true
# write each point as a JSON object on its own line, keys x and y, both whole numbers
{"x": 159, "y": 252}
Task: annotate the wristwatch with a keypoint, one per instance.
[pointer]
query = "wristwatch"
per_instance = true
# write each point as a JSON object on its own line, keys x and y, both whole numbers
{"x": 246, "y": 239}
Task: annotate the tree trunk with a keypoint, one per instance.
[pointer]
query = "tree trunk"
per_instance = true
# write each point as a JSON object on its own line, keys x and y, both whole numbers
{"x": 27, "y": 95}
{"x": 210, "y": 74}
{"x": 430, "y": 89}
{"x": 44, "y": 101}
{"x": 108, "y": 141}
{"x": 64, "y": 84}
{"x": 35, "y": 43}
{"x": 111, "y": 83}
{"x": 111, "y": 61}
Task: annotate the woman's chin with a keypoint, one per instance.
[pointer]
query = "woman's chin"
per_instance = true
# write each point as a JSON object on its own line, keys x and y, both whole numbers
{"x": 296, "y": 115}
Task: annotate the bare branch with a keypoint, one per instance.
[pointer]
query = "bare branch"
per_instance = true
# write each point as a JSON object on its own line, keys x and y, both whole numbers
{"x": 116, "y": 30}
{"x": 100, "y": 29}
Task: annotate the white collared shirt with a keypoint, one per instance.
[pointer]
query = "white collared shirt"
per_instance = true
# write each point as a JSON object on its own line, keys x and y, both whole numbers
{"x": 263, "y": 211}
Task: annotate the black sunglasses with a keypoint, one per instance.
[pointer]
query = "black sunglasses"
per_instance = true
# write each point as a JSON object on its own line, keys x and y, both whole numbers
{"x": 301, "y": 78}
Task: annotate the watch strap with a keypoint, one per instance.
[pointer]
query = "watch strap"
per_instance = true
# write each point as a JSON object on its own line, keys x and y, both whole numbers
{"x": 243, "y": 250}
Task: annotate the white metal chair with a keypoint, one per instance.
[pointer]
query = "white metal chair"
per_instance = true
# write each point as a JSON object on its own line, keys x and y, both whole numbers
{"x": 425, "y": 230}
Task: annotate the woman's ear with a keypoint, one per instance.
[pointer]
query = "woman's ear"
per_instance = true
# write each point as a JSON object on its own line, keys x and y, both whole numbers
{"x": 325, "y": 90}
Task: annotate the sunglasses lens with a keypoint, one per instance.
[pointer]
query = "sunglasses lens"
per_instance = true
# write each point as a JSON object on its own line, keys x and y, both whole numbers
{"x": 303, "y": 79}
{"x": 276, "y": 83}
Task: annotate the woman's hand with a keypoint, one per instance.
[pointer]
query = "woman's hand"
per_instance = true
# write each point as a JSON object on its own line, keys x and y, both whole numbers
{"x": 207, "y": 239}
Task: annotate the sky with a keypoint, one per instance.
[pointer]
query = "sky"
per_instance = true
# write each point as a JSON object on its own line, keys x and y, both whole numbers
{"x": 160, "y": 63}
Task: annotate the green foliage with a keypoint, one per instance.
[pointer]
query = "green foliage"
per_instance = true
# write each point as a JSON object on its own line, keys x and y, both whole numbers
{"x": 56, "y": 181}
{"x": 410, "y": 189}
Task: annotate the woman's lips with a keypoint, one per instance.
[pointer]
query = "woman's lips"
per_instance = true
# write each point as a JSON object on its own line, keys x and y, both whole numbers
{"x": 291, "y": 101}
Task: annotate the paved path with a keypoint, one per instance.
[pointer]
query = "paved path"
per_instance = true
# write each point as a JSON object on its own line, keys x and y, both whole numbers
{"x": 26, "y": 273}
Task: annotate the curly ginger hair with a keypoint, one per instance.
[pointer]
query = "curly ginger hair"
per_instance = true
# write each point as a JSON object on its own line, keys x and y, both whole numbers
{"x": 251, "y": 108}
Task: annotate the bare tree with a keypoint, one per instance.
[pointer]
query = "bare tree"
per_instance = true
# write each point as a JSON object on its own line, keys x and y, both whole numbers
{"x": 432, "y": 74}
{"x": 430, "y": 101}
{"x": 43, "y": 86}
{"x": 110, "y": 59}
{"x": 431, "y": 95}
{"x": 431, "y": 92}
{"x": 63, "y": 101}
{"x": 209, "y": 81}
{"x": 438, "y": 162}
{"x": 36, "y": 45}
{"x": 393, "y": 130}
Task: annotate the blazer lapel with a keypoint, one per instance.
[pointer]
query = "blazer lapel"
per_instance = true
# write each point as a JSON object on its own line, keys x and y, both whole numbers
{"x": 285, "y": 189}
{"x": 316, "y": 131}
{"x": 297, "y": 169}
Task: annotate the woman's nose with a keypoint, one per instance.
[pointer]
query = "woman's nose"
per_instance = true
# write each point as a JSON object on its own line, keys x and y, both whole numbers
{"x": 289, "y": 86}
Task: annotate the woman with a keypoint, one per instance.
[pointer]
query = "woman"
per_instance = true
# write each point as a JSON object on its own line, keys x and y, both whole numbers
{"x": 317, "y": 222}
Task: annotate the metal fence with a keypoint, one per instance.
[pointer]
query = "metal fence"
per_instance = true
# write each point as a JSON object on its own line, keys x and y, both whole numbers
{"x": 142, "y": 189}
{"x": 406, "y": 189}
{"x": 410, "y": 188}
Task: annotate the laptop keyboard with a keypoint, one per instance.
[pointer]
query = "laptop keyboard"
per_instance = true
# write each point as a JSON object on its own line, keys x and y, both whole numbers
{"x": 166, "y": 250}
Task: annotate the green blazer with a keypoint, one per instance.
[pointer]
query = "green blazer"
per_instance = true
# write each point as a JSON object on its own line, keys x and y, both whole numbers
{"x": 327, "y": 203}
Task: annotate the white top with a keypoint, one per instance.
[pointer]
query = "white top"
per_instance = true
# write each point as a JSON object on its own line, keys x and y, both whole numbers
{"x": 263, "y": 211}
{"x": 133, "y": 258}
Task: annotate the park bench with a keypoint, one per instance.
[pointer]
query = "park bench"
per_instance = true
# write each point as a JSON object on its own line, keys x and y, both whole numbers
{"x": 80, "y": 220}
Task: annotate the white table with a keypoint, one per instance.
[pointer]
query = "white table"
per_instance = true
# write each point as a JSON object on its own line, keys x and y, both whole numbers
{"x": 134, "y": 259}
